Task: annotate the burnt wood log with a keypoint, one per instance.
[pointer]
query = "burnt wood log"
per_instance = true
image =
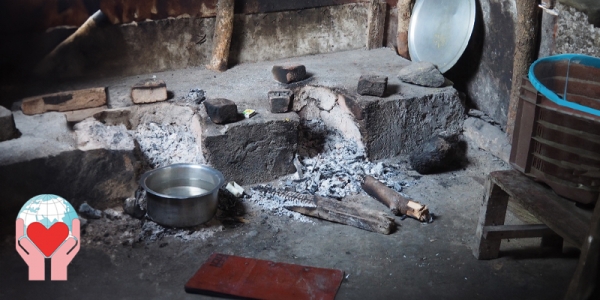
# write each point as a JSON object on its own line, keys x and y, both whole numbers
{"x": 397, "y": 204}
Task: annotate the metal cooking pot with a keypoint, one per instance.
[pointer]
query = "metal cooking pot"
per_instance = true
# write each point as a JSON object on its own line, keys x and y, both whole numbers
{"x": 182, "y": 195}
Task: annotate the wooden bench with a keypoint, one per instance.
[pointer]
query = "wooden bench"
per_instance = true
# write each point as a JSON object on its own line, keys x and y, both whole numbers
{"x": 561, "y": 220}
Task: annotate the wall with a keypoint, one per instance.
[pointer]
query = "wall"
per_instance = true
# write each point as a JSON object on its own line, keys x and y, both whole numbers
{"x": 484, "y": 72}
{"x": 574, "y": 34}
{"x": 175, "y": 43}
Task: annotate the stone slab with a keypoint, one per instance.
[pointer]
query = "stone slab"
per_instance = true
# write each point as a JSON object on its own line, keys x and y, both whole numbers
{"x": 8, "y": 130}
{"x": 259, "y": 149}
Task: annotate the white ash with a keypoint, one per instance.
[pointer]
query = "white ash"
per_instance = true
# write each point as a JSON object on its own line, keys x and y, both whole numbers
{"x": 152, "y": 231}
{"x": 332, "y": 166}
{"x": 92, "y": 134}
{"x": 269, "y": 201}
{"x": 165, "y": 144}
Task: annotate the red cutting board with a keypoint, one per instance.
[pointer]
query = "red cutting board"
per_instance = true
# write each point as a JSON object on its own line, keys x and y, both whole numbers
{"x": 262, "y": 279}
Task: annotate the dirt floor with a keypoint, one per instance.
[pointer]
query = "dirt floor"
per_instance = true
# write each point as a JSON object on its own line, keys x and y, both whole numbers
{"x": 122, "y": 259}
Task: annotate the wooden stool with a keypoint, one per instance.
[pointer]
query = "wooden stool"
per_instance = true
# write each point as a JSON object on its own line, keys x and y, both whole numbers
{"x": 561, "y": 218}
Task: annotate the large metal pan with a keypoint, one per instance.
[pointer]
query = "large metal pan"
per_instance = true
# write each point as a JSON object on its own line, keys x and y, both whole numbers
{"x": 439, "y": 31}
{"x": 182, "y": 195}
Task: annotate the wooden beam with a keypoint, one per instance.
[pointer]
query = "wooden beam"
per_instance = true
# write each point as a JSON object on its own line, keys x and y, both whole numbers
{"x": 64, "y": 101}
{"x": 527, "y": 32}
{"x": 222, "y": 37}
{"x": 376, "y": 21}
{"x": 404, "y": 12}
{"x": 515, "y": 231}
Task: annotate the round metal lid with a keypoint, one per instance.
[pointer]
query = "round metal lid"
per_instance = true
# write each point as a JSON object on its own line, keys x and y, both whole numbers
{"x": 439, "y": 31}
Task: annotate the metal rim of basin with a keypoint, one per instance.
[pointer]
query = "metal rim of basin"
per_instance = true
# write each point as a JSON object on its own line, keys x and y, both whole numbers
{"x": 439, "y": 31}
{"x": 217, "y": 173}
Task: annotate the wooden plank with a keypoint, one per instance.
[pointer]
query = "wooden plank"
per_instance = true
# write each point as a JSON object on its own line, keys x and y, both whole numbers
{"x": 515, "y": 231}
{"x": 82, "y": 114}
{"x": 585, "y": 284}
{"x": 348, "y": 214}
{"x": 376, "y": 24}
{"x": 492, "y": 213}
{"x": 561, "y": 215}
{"x": 64, "y": 101}
{"x": 526, "y": 32}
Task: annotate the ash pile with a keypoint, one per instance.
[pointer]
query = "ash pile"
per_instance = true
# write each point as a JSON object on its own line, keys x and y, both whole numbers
{"x": 165, "y": 144}
{"x": 327, "y": 165}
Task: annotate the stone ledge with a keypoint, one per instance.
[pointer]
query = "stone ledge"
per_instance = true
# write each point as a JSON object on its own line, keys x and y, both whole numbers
{"x": 253, "y": 150}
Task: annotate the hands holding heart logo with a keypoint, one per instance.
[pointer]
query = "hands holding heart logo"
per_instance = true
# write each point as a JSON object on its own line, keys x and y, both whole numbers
{"x": 43, "y": 231}
{"x": 53, "y": 242}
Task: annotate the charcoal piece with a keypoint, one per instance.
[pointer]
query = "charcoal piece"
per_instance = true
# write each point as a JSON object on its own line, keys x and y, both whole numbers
{"x": 372, "y": 85}
{"x": 438, "y": 155}
{"x": 89, "y": 212}
{"x": 422, "y": 73}
{"x": 221, "y": 110}
{"x": 280, "y": 100}
{"x": 289, "y": 73}
{"x": 8, "y": 130}
{"x": 132, "y": 208}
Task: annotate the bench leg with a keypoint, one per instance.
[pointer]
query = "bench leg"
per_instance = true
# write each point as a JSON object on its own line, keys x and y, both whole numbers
{"x": 492, "y": 212}
{"x": 585, "y": 284}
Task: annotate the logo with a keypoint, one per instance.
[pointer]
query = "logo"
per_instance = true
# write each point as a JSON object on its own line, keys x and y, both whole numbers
{"x": 47, "y": 227}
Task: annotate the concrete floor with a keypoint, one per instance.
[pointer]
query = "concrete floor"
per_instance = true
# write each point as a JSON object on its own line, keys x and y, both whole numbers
{"x": 424, "y": 261}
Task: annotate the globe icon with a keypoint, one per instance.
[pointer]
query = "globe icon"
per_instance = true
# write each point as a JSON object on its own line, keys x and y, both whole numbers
{"x": 48, "y": 210}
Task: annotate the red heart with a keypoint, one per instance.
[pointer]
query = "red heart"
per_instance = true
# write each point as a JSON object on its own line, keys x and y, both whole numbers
{"x": 47, "y": 240}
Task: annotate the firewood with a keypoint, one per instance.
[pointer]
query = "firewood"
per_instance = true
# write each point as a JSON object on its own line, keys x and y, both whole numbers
{"x": 397, "y": 204}
{"x": 222, "y": 37}
{"x": 404, "y": 12}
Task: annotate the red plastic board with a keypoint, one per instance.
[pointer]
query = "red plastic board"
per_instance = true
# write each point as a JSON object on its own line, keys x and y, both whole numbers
{"x": 261, "y": 279}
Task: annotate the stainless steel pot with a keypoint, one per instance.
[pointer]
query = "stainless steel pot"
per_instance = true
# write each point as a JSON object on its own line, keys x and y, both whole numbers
{"x": 182, "y": 195}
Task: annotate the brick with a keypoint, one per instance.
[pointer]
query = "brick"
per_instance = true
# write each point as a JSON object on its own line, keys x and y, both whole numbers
{"x": 289, "y": 73}
{"x": 149, "y": 91}
{"x": 280, "y": 100}
{"x": 221, "y": 110}
{"x": 372, "y": 85}
{"x": 7, "y": 125}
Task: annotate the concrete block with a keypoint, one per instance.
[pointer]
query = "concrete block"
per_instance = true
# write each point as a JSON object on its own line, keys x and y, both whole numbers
{"x": 289, "y": 73}
{"x": 422, "y": 73}
{"x": 387, "y": 126}
{"x": 149, "y": 91}
{"x": 372, "y": 85}
{"x": 221, "y": 111}
{"x": 8, "y": 130}
{"x": 280, "y": 100}
{"x": 259, "y": 149}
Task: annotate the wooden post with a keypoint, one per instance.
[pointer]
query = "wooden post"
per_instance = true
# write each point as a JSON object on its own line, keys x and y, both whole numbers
{"x": 526, "y": 32}
{"x": 585, "y": 284}
{"x": 376, "y": 21}
{"x": 222, "y": 37}
{"x": 404, "y": 12}
{"x": 492, "y": 213}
